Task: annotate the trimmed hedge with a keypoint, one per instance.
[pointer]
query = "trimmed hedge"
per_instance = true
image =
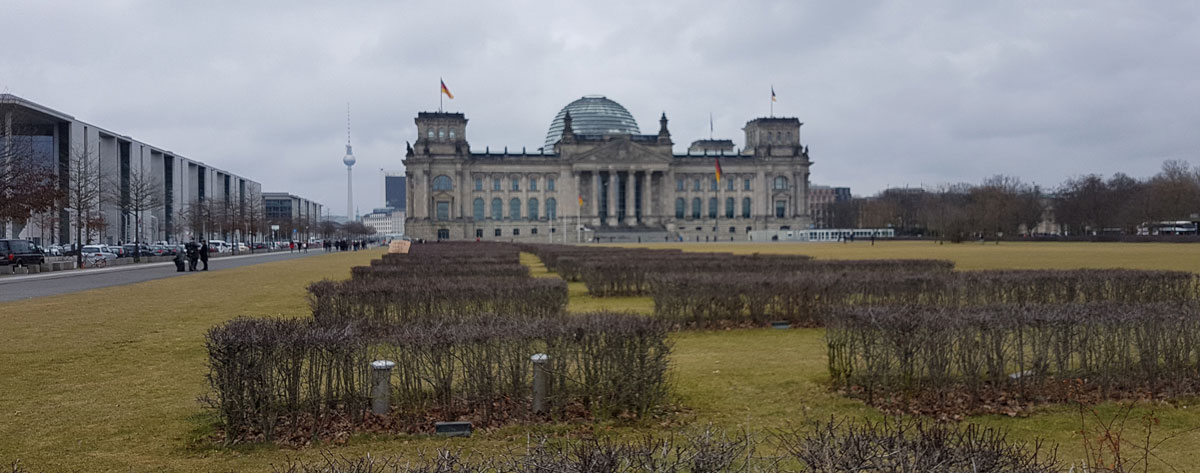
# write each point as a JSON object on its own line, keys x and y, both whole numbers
{"x": 968, "y": 359}
{"x": 385, "y": 301}
{"x": 273, "y": 378}
{"x": 712, "y": 300}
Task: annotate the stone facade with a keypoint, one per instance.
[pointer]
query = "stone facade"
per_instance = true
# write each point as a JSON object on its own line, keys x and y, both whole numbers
{"x": 604, "y": 184}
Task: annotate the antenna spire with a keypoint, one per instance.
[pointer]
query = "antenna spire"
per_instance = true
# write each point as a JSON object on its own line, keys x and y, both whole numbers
{"x": 348, "y": 147}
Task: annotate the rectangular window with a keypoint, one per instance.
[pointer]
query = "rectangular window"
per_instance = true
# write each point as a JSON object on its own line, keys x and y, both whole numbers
{"x": 443, "y": 210}
{"x": 712, "y": 184}
{"x": 516, "y": 231}
{"x": 516, "y": 184}
{"x": 550, "y": 184}
{"x": 479, "y": 183}
{"x": 696, "y": 185}
{"x": 745, "y": 184}
{"x": 728, "y": 184}
{"x": 478, "y": 233}
{"x": 497, "y": 232}
{"x": 533, "y": 231}
{"x": 495, "y": 184}
{"x": 679, "y": 186}
{"x": 780, "y": 208}
{"x": 533, "y": 184}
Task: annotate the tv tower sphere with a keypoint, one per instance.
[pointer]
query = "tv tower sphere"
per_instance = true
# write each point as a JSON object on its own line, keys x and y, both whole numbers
{"x": 349, "y": 159}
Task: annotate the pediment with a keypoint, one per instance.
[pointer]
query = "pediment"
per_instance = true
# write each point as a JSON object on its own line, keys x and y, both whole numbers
{"x": 625, "y": 151}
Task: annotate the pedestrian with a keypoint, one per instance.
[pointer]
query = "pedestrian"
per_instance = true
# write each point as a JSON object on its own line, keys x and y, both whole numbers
{"x": 204, "y": 255}
{"x": 178, "y": 261}
{"x": 192, "y": 255}
{"x": 291, "y": 246}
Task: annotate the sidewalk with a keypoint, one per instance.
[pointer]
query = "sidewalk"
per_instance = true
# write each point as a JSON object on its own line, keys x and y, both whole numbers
{"x": 111, "y": 269}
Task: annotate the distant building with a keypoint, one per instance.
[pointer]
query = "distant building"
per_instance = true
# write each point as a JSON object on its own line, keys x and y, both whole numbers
{"x": 386, "y": 221}
{"x": 55, "y": 139}
{"x": 820, "y": 198}
{"x": 295, "y": 217}
{"x": 599, "y": 171}
{"x": 395, "y": 192}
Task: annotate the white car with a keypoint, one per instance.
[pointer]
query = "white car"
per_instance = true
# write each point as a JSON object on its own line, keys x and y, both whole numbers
{"x": 93, "y": 252}
{"x": 219, "y": 246}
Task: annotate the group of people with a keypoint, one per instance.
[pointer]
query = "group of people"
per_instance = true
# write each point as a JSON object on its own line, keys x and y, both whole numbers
{"x": 195, "y": 253}
{"x": 345, "y": 245}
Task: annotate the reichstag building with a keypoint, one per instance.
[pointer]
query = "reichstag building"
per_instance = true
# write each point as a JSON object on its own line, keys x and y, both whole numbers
{"x": 599, "y": 177}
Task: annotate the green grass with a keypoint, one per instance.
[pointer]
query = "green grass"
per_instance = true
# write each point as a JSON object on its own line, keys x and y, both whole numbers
{"x": 107, "y": 380}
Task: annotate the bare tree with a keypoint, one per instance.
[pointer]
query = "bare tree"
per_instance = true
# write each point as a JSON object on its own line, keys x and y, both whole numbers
{"x": 254, "y": 216}
{"x": 142, "y": 194}
{"x": 83, "y": 197}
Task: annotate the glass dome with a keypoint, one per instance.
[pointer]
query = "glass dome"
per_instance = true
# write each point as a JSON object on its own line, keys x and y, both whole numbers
{"x": 593, "y": 114}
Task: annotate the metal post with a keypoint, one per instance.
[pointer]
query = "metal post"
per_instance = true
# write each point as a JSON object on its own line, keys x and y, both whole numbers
{"x": 539, "y": 382}
{"x": 381, "y": 386}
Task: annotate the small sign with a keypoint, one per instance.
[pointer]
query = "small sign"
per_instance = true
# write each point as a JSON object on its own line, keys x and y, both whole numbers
{"x": 274, "y": 228}
{"x": 453, "y": 429}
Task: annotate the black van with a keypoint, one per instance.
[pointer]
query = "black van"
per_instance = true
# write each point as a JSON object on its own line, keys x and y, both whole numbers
{"x": 20, "y": 253}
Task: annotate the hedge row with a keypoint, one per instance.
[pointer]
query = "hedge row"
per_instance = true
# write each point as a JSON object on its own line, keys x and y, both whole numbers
{"x": 883, "y": 447}
{"x": 925, "y": 357}
{"x": 710, "y": 300}
{"x": 390, "y": 301}
{"x": 274, "y": 378}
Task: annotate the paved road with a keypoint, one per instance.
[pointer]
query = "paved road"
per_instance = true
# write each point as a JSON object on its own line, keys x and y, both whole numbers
{"x": 61, "y": 282}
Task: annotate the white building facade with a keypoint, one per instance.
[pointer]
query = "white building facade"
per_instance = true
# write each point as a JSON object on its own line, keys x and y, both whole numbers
{"x": 57, "y": 139}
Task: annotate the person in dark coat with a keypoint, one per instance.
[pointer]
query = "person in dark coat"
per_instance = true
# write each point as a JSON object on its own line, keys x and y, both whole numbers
{"x": 193, "y": 254}
{"x": 204, "y": 255}
{"x": 178, "y": 261}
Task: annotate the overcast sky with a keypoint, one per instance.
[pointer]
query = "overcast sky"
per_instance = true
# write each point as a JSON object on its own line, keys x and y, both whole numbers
{"x": 891, "y": 93}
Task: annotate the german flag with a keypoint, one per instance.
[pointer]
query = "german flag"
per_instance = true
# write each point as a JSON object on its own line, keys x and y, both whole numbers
{"x": 718, "y": 170}
{"x": 445, "y": 90}
{"x": 581, "y": 200}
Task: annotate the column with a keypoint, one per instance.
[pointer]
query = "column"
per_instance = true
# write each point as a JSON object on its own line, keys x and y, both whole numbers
{"x": 612, "y": 197}
{"x": 647, "y": 209}
{"x": 630, "y": 197}
{"x": 595, "y": 210}
{"x": 795, "y": 194}
{"x": 578, "y": 194}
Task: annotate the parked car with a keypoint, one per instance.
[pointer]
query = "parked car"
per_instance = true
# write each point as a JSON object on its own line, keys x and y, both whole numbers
{"x": 141, "y": 250}
{"x": 53, "y": 250}
{"x": 219, "y": 246}
{"x": 161, "y": 250}
{"x": 262, "y": 245}
{"x": 101, "y": 251}
{"x": 20, "y": 253}
{"x": 242, "y": 247}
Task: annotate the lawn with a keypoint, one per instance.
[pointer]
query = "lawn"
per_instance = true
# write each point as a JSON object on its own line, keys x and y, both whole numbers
{"x": 108, "y": 379}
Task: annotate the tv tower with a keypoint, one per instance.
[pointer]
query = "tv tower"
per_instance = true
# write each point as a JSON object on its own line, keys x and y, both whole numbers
{"x": 349, "y": 161}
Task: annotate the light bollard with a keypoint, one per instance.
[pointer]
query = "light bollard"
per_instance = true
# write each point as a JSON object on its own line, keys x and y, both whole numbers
{"x": 540, "y": 361}
{"x": 381, "y": 386}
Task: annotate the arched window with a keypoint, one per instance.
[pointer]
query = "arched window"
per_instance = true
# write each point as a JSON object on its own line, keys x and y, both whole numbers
{"x": 497, "y": 209}
{"x": 430, "y": 133}
{"x": 443, "y": 183}
{"x": 551, "y": 206}
{"x": 680, "y": 207}
{"x": 770, "y": 136}
{"x": 729, "y": 203}
{"x": 781, "y": 183}
{"x": 478, "y": 208}
{"x": 696, "y": 210}
{"x": 514, "y": 208}
{"x": 712, "y": 207}
{"x": 533, "y": 209}
{"x": 746, "y": 207}
{"x": 441, "y": 134}
{"x": 451, "y": 134}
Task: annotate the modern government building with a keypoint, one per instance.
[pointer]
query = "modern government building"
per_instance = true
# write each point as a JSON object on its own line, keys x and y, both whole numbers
{"x": 599, "y": 177}
{"x": 55, "y": 139}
